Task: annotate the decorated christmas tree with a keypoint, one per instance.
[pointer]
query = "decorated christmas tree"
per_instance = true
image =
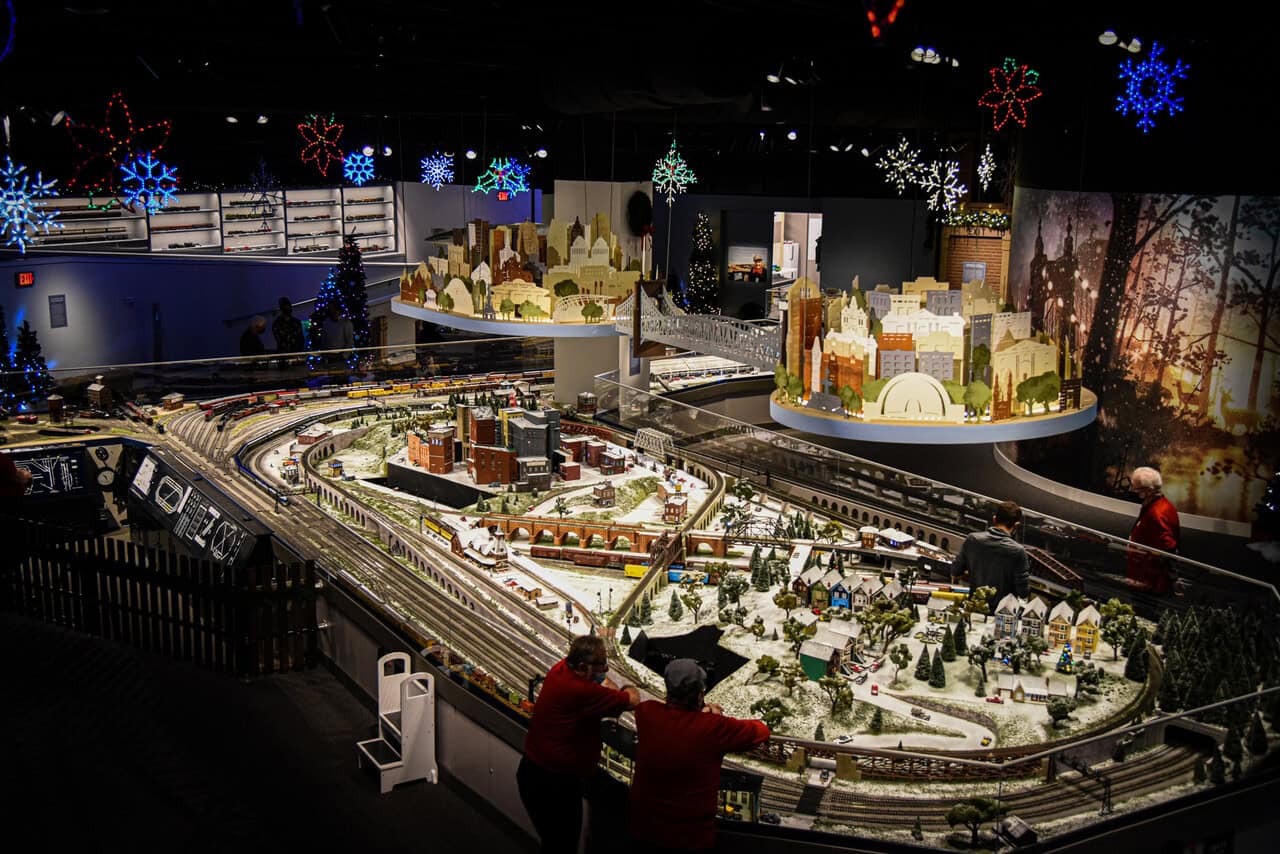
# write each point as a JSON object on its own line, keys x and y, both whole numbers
{"x": 34, "y": 384}
{"x": 345, "y": 287}
{"x": 1065, "y": 663}
{"x": 7, "y": 379}
{"x": 702, "y": 291}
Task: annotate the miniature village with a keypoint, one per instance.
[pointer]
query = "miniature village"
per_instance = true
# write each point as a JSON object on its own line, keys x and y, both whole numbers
{"x": 925, "y": 353}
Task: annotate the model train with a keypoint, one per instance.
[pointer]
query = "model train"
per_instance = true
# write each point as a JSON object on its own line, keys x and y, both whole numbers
{"x": 284, "y": 396}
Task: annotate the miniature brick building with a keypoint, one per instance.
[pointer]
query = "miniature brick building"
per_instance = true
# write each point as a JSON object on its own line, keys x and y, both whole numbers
{"x": 603, "y": 494}
{"x": 490, "y": 464}
{"x": 571, "y": 471}
{"x": 173, "y": 400}
{"x": 482, "y": 429}
{"x": 314, "y": 434}
{"x": 335, "y": 468}
{"x": 675, "y": 508}
{"x": 595, "y": 450}
{"x": 55, "y": 408}
{"x": 98, "y": 394}
{"x": 534, "y": 471}
{"x": 439, "y": 450}
{"x": 575, "y": 446}
{"x": 612, "y": 463}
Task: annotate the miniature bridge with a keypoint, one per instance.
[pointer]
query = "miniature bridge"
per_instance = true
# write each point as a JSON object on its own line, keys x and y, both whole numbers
{"x": 710, "y": 334}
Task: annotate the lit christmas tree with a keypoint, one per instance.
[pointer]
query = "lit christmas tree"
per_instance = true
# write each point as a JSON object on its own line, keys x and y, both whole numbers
{"x": 35, "y": 384}
{"x": 1065, "y": 662}
{"x": 343, "y": 286}
{"x": 702, "y": 292}
{"x": 6, "y": 365}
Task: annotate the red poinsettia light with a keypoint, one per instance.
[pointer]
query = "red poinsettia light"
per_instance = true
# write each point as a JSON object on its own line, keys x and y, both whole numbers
{"x": 320, "y": 142}
{"x": 106, "y": 148}
{"x": 1013, "y": 86}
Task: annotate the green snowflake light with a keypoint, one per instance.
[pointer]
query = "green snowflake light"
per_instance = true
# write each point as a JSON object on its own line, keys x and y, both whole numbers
{"x": 671, "y": 175}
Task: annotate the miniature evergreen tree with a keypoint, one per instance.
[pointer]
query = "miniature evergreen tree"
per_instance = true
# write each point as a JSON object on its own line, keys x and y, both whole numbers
{"x": 1170, "y": 697}
{"x": 1235, "y": 771}
{"x": 958, "y": 639}
{"x": 917, "y": 832}
{"x": 1200, "y": 774}
{"x": 818, "y": 734}
{"x": 948, "y": 644}
{"x": 634, "y": 619}
{"x": 702, "y": 291}
{"x": 646, "y": 612}
{"x": 1217, "y": 768}
{"x": 1231, "y": 748}
{"x": 33, "y": 383}
{"x": 626, "y": 635}
{"x": 774, "y": 636}
{"x": 877, "y": 722}
{"x": 675, "y": 611}
{"x": 1257, "y": 736}
{"x": 922, "y": 665}
{"x": 938, "y": 673}
{"x": 1135, "y": 666}
{"x": 722, "y": 598}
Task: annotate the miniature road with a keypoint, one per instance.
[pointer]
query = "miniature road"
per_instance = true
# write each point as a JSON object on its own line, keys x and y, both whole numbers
{"x": 972, "y": 733}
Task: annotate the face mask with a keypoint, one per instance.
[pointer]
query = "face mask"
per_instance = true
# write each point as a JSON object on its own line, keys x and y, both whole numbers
{"x": 599, "y": 680}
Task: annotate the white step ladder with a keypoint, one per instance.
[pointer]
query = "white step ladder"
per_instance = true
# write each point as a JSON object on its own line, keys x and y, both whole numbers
{"x": 405, "y": 749}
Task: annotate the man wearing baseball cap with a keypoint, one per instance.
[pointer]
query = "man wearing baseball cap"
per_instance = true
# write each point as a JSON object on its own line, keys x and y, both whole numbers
{"x": 680, "y": 745}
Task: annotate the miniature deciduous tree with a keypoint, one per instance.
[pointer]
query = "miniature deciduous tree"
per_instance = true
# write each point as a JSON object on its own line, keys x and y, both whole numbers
{"x": 757, "y": 628}
{"x": 795, "y": 388}
{"x": 792, "y": 675}
{"x": 973, "y": 813}
{"x": 922, "y": 665}
{"x": 693, "y": 601}
{"x": 674, "y": 610}
{"x": 795, "y": 635}
{"x": 1060, "y": 708}
{"x": 787, "y": 601}
{"x": 506, "y": 308}
{"x": 850, "y": 399}
{"x": 1088, "y": 678}
{"x": 768, "y": 666}
{"x": 562, "y": 506}
{"x": 980, "y": 654}
{"x": 1036, "y": 646}
{"x": 831, "y": 531}
{"x": 1118, "y": 624}
{"x": 977, "y": 395}
{"x": 721, "y": 598}
{"x": 772, "y": 711}
{"x": 900, "y": 656}
{"x": 980, "y": 690}
{"x": 978, "y": 602}
{"x": 780, "y": 380}
{"x": 937, "y": 672}
{"x": 734, "y": 585}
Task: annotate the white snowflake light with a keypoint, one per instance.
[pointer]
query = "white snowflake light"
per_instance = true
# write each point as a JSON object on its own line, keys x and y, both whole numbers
{"x": 437, "y": 170}
{"x": 149, "y": 182}
{"x": 901, "y": 165}
{"x": 986, "y": 168}
{"x": 19, "y": 217}
{"x": 938, "y": 180}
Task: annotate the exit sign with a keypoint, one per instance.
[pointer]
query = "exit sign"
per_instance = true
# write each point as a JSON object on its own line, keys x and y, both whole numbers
{"x": 503, "y": 195}
{"x": 24, "y": 279}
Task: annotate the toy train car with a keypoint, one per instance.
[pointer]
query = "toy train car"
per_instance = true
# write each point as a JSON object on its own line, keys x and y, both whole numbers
{"x": 547, "y": 552}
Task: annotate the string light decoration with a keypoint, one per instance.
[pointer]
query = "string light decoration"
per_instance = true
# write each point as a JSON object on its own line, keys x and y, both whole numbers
{"x": 20, "y": 216}
{"x": 986, "y": 168}
{"x": 149, "y": 182}
{"x": 994, "y": 220}
{"x": 106, "y": 148}
{"x": 702, "y": 292}
{"x": 901, "y": 165}
{"x": 320, "y": 142}
{"x": 357, "y": 168}
{"x": 35, "y": 383}
{"x": 437, "y": 170}
{"x": 671, "y": 175}
{"x": 940, "y": 184}
{"x": 876, "y": 18}
{"x": 1013, "y": 86}
{"x": 1149, "y": 87}
{"x": 506, "y": 175}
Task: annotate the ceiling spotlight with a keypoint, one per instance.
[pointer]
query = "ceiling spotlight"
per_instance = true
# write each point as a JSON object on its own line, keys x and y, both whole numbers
{"x": 57, "y": 118}
{"x": 773, "y": 77}
{"x": 790, "y": 80}
{"x": 386, "y": 151}
{"x": 232, "y": 120}
{"x": 834, "y": 147}
{"x": 367, "y": 151}
{"x": 1135, "y": 46}
{"x": 541, "y": 153}
{"x": 848, "y": 148}
{"x": 471, "y": 154}
{"x": 917, "y": 55}
{"x": 791, "y": 135}
{"x": 1107, "y": 37}
{"x": 955, "y": 63}
{"x": 762, "y": 134}
{"x": 262, "y": 120}
{"x": 930, "y": 53}
{"x": 866, "y": 152}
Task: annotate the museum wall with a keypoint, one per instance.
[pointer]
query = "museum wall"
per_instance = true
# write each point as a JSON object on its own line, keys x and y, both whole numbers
{"x": 878, "y": 240}
{"x": 585, "y": 199}
{"x": 426, "y": 211}
{"x": 110, "y": 301}
{"x": 1175, "y": 317}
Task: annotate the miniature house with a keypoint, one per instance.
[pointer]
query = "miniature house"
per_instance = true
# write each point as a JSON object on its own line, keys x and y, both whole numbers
{"x": 674, "y": 509}
{"x": 1006, "y": 616}
{"x": 603, "y": 494}
{"x": 1087, "y": 622}
{"x": 839, "y": 595}
{"x": 891, "y": 591}
{"x": 803, "y": 584}
{"x": 866, "y": 591}
{"x": 99, "y": 395}
{"x": 868, "y": 534}
{"x": 894, "y": 538}
{"x": 818, "y": 659}
{"x": 938, "y": 610}
{"x": 1060, "y": 624}
{"x": 1031, "y": 623}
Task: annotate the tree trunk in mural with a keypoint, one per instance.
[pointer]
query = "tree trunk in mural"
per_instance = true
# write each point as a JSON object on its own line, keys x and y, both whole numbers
{"x": 1121, "y": 247}
{"x": 1211, "y": 346}
{"x": 1256, "y": 292}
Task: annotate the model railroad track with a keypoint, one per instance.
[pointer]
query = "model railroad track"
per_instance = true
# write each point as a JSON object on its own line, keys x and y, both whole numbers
{"x": 1155, "y": 769}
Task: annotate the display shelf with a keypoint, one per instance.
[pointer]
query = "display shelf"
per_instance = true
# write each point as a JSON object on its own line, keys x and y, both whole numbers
{"x": 234, "y": 250}
{"x": 373, "y": 206}
{"x": 332, "y": 204}
{"x": 172, "y": 212}
{"x": 175, "y": 229}
{"x": 357, "y": 203}
{"x": 191, "y": 247}
{"x": 84, "y": 225}
{"x": 369, "y": 219}
{"x": 203, "y": 209}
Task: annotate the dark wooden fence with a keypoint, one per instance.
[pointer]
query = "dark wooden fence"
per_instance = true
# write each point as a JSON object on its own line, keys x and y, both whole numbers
{"x": 255, "y": 621}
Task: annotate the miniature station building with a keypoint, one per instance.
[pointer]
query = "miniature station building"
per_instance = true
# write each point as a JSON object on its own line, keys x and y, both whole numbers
{"x": 314, "y": 433}
{"x": 173, "y": 400}
{"x": 335, "y": 468}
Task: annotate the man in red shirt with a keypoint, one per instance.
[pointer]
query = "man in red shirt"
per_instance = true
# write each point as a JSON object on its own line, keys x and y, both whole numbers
{"x": 562, "y": 748}
{"x": 1157, "y": 527}
{"x": 14, "y": 481}
{"x": 680, "y": 746}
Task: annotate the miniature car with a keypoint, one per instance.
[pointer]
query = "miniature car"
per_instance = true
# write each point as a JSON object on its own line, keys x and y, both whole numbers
{"x": 26, "y": 419}
{"x": 843, "y": 739}
{"x": 875, "y": 689}
{"x": 986, "y": 740}
{"x": 817, "y": 612}
{"x": 917, "y": 712}
{"x": 825, "y": 775}
{"x": 770, "y": 818}
{"x": 858, "y": 668}
{"x": 995, "y": 699}
{"x": 875, "y": 665}
{"x": 860, "y": 679}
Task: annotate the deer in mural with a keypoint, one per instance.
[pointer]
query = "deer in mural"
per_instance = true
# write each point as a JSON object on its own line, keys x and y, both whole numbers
{"x": 1233, "y": 418}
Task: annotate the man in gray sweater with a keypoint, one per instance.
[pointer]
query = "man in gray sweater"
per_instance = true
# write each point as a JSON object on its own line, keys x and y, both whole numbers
{"x": 993, "y": 558}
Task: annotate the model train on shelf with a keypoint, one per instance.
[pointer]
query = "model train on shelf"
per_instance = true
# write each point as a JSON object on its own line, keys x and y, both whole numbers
{"x": 242, "y": 405}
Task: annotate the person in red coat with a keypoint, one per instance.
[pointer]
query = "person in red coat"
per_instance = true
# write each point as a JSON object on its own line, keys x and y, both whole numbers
{"x": 1157, "y": 527}
{"x": 562, "y": 748}
{"x": 680, "y": 745}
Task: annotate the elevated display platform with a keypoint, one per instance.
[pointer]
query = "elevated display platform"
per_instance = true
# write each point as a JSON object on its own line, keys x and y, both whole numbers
{"x": 505, "y": 327}
{"x": 939, "y": 433}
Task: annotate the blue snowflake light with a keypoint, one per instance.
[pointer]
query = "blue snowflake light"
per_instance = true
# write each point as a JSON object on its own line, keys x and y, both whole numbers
{"x": 20, "y": 218}
{"x": 357, "y": 168}
{"x": 504, "y": 175}
{"x": 1148, "y": 87}
{"x": 149, "y": 182}
{"x": 437, "y": 170}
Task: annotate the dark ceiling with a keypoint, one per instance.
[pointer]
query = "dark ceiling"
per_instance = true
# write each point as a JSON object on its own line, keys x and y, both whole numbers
{"x": 601, "y": 87}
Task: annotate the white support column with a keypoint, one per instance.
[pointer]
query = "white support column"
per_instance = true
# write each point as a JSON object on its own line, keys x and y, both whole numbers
{"x": 578, "y": 360}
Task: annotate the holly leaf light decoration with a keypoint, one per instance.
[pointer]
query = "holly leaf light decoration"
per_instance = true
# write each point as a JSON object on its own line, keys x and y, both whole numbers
{"x": 320, "y": 137}
{"x": 20, "y": 217}
{"x": 1149, "y": 87}
{"x": 105, "y": 148}
{"x": 671, "y": 175}
{"x": 504, "y": 174}
{"x": 901, "y": 165}
{"x": 1013, "y": 86}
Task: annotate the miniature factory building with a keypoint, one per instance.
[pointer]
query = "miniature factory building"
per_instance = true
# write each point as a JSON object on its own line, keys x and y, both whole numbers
{"x": 603, "y": 494}
{"x": 99, "y": 395}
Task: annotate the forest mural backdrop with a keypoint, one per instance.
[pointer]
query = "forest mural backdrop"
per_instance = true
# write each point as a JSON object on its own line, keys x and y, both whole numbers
{"x": 1170, "y": 305}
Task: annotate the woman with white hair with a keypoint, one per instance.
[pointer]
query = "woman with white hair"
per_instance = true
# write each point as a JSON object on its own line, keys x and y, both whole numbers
{"x": 1157, "y": 527}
